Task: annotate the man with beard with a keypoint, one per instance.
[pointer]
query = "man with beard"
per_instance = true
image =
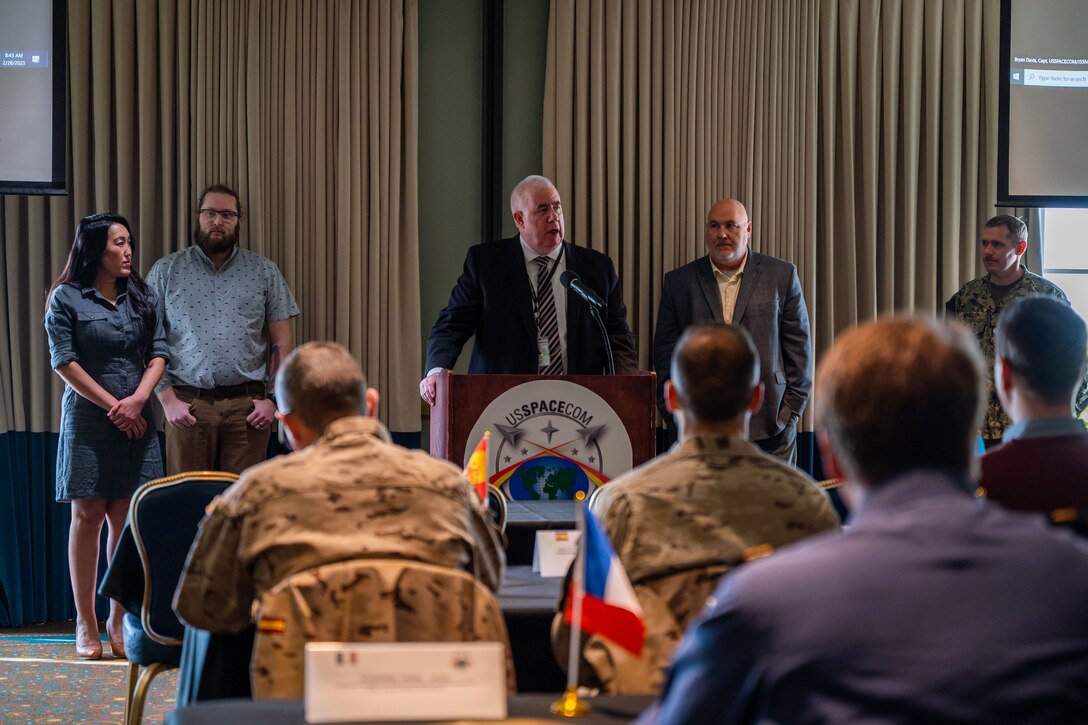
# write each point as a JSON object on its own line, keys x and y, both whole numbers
{"x": 759, "y": 293}
{"x": 227, "y": 315}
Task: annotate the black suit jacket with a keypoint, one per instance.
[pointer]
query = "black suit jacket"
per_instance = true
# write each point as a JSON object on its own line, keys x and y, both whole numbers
{"x": 493, "y": 301}
{"x": 769, "y": 306}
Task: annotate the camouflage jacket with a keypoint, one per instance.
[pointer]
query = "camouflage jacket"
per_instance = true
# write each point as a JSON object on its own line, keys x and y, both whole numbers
{"x": 678, "y": 523}
{"x": 705, "y": 502}
{"x": 974, "y": 306}
{"x": 350, "y": 495}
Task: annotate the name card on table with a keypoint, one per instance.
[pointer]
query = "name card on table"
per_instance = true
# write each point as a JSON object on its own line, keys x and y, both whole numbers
{"x": 395, "y": 681}
{"x": 554, "y": 551}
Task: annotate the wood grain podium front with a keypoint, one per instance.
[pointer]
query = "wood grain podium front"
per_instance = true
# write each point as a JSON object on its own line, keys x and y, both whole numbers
{"x": 461, "y": 399}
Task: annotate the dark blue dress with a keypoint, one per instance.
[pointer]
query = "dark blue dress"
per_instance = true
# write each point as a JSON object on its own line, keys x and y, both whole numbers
{"x": 94, "y": 458}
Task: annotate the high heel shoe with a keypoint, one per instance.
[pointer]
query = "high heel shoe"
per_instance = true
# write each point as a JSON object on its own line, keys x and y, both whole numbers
{"x": 117, "y": 645}
{"x": 88, "y": 645}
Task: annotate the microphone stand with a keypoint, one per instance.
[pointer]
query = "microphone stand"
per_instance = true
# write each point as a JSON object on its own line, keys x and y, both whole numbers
{"x": 610, "y": 362}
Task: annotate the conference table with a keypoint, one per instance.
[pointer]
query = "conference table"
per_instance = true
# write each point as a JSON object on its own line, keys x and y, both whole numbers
{"x": 525, "y": 518}
{"x": 520, "y": 708}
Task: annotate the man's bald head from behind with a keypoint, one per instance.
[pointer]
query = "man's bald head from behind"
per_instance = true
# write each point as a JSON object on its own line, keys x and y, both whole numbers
{"x": 714, "y": 376}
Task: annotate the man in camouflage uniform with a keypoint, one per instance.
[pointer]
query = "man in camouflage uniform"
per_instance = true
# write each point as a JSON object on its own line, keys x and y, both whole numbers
{"x": 680, "y": 521}
{"x": 346, "y": 493}
{"x": 978, "y": 305}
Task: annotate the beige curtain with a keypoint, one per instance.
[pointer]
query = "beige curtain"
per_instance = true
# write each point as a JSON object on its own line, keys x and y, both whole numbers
{"x": 307, "y": 108}
{"x": 860, "y": 134}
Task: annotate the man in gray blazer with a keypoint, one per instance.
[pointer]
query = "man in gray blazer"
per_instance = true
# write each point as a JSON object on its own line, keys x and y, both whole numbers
{"x": 751, "y": 290}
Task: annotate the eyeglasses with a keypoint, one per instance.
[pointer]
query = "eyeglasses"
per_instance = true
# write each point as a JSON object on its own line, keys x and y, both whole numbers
{"x": 209, "y": 215}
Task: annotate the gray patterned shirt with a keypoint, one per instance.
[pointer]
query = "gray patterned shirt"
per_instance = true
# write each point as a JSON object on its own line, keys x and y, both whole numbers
{"x": 216, "y": 319}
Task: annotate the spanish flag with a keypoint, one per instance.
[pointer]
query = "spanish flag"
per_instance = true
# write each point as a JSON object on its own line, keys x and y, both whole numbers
{"x": 476, "y": 470}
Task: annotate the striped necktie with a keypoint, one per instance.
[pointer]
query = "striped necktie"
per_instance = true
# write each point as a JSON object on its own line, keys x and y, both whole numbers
{"x": 547, "y": 322}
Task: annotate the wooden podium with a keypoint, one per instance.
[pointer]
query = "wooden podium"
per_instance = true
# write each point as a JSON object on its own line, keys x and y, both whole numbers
{"x": 461, "y": 399}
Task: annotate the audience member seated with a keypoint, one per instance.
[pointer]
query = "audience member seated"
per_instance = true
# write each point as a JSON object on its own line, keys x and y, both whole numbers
{"x": 680, "y": 521}
{"x": 932, "y": 606}
{"x": 346, "y": 493}
{"x": 1042, "y": 464}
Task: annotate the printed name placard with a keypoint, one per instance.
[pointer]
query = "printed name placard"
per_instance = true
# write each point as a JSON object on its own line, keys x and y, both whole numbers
{"x": 395, "y": 681}
{"x": 554, "y": 551}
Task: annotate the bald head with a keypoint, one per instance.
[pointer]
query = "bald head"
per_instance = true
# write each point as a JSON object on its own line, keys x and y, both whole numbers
{"x": 901, "y": 394}
{"x": 321, "y": 382}
{"x": 728, "y": 230}
{"x": 715, "y": 368}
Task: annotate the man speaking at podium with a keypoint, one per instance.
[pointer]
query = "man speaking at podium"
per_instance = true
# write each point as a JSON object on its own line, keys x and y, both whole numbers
{"x": 512, "y": 295}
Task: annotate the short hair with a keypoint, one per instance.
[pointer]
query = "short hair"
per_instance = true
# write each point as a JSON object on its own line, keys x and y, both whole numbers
{"x": 1013, "y": 224}
{"x": 714, "y": 369}
{"x": 1043, "y": 340}
{"x": 320, "y": 382}
{"x": 902, "y": 394}
{"x": 529, "y": 182}
{"x": 220, "y": 189}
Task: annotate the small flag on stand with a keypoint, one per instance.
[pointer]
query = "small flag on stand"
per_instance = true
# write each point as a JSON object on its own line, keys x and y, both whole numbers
{"x": 601, "y": 601}
{"x": 476, "y": 470}
{"x": 609, "y": 607}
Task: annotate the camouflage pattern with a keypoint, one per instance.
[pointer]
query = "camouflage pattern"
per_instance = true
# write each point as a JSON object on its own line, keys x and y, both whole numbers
{"x": 380, "y": 600}
{"x": 350, "y": 495}
{"x": 974, "y": 306}
{"x": 677, "y": 524}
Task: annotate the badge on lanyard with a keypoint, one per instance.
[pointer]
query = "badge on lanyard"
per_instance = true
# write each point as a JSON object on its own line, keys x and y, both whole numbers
{"x": 543, "y": 352}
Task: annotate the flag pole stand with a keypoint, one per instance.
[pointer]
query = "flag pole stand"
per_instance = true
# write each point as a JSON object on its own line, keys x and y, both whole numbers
{"x": 570, "y": 705}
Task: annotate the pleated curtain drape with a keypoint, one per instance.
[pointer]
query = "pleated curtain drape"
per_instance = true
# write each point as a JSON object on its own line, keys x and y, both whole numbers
{"x": 309, "y": 110}
{"x": 860, "y": 134}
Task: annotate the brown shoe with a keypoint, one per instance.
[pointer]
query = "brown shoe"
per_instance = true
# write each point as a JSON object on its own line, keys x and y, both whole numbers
{"x": 88, "y": 643}
{"x": 117, "y": 642}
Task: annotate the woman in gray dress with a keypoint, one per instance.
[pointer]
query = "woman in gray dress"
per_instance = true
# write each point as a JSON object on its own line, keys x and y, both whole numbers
{"x": 107, "y": 343}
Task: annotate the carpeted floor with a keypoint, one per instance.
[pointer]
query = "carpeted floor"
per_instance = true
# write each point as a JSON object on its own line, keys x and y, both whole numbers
{"x": 42, "y": 681}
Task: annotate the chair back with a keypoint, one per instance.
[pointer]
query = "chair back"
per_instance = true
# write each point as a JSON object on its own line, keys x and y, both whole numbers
{"x": 1070, "y": 518}
{"x": 367, "y": 600}
{"x": 496, "y": 503}
{"x": 592, "y": 502}
{"x": 164, "y": 515}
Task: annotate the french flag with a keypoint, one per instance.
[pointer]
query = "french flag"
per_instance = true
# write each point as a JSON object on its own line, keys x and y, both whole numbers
{"x": 609, "y": 608}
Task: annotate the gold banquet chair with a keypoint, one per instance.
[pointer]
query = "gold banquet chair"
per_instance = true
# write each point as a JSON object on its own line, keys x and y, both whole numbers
{"x": 1069, "y": 518}
{"x": 496, "y": 503}
{"x": 163, "y": 518}
{"x": 367, "y": 600}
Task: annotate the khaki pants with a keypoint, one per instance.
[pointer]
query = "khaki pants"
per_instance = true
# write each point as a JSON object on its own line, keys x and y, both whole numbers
{"x": 220, "y": 440}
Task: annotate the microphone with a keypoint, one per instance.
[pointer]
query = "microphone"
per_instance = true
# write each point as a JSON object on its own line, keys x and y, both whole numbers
{"x": 574, "y": 283}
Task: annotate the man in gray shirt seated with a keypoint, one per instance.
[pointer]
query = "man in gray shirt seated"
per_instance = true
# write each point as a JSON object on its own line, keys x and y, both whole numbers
{"x": 227, "y": 315}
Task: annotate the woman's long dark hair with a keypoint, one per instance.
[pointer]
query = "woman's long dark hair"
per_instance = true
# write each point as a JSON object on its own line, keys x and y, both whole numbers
{"x": 92, "y": 234}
